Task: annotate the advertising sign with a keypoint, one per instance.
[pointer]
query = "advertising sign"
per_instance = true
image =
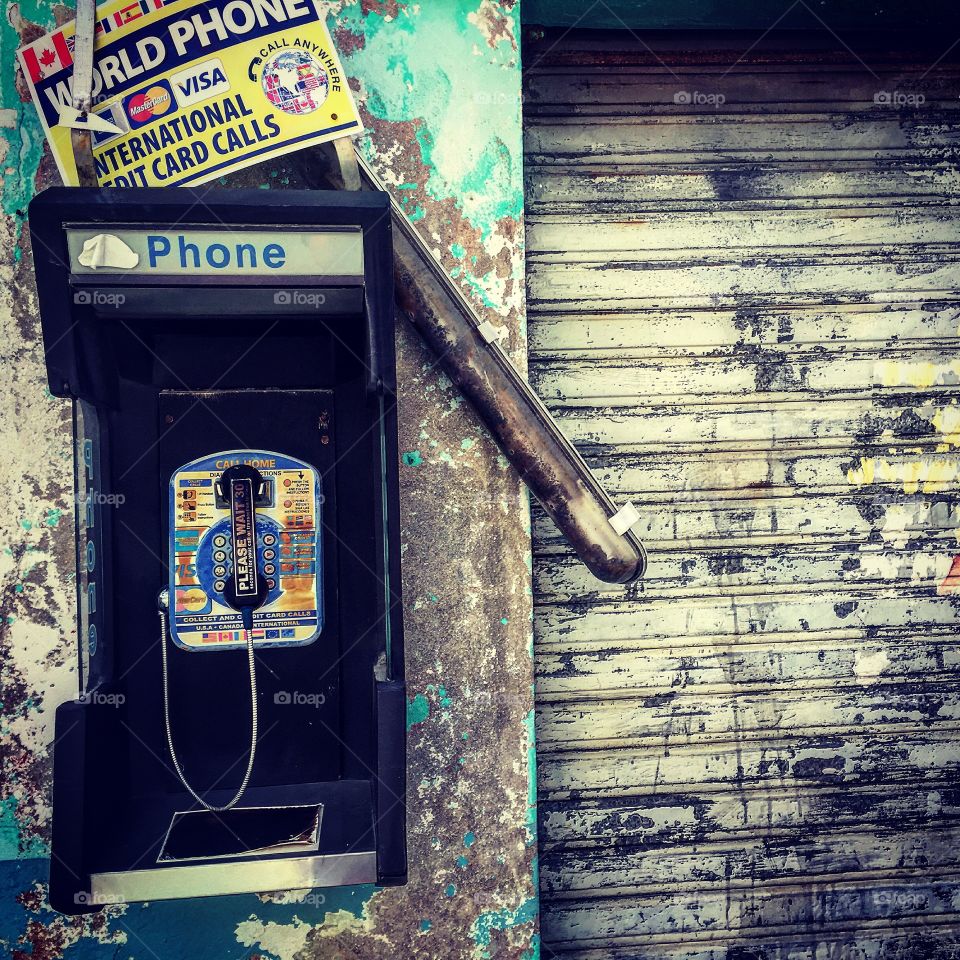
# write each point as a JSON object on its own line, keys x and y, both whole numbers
{"x": 185, "y": 91}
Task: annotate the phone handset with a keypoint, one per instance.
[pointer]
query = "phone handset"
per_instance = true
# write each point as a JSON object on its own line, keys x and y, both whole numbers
{"x": 245, "y": 590}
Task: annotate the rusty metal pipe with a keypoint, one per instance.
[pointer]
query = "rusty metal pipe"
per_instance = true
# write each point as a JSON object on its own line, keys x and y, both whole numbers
{"x": 522, "y": 426}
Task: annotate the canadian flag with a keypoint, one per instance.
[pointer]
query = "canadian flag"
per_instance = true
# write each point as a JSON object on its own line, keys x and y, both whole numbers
{"x": 47, "y": 56}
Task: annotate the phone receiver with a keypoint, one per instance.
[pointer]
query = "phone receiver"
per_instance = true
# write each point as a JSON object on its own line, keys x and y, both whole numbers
{"x": 240, "y": 487}
{"x": 216, "y": 562}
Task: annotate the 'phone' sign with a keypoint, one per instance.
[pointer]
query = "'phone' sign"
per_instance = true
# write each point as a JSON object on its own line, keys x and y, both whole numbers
{"x": 335, "y": 252}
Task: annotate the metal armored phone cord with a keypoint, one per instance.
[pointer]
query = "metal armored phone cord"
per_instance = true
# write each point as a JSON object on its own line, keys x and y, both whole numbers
{"x": 247, "y": 614}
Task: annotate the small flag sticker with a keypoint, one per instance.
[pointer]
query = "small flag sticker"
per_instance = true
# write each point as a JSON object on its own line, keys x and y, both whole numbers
{"x": 47, "y": 56}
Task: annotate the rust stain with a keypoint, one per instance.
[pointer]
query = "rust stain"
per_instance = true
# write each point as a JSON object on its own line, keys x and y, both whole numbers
{"x": 494, "y": 24}
{"x": 389, "y": 9}
{"x": 348, "y": 42}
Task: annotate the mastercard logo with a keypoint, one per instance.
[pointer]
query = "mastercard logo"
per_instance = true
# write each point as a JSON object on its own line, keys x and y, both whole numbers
{"x": 147, "y": 105}
{"x": 191, "y": 601}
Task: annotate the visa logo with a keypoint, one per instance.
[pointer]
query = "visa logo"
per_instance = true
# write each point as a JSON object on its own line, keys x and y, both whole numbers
{"x": 200, "y": 82}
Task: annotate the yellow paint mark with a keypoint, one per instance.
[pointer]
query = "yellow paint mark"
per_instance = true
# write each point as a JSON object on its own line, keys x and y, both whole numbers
{"x": 862, "y": 476}
{"x": 940, "y": 475}
{"x": 929, "y": 475}
{"x": 912, "y": 473}
{"x": 895, "y": 373}
{"x": 947, "y": 422}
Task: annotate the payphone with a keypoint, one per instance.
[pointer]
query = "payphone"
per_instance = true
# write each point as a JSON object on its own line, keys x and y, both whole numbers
{"x": 230, "y": 359}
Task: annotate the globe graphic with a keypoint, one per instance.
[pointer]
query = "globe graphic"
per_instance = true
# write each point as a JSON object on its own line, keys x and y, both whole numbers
{"x": 294, "y": 82}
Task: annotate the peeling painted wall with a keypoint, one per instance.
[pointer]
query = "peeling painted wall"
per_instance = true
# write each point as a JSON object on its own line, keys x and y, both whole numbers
{"x": 440, "y": 85}
{"x": 743, "y": 305}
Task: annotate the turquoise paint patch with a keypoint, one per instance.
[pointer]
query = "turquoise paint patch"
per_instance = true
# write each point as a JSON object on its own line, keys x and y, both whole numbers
{"x": 24, "y": 137}
{"x": 504, "y": 620}
{"x": 13, "y": 844}
{"x": 495, "y": 164}
{"x": 412, "y": 458}
{"x": 469, "y": 839}
{"x": 425, "y": 925}
{"x": 397, "y": 64}
{"x": 492, "y": 920}
{"x": 462, "y": 862}
{"x": 442, "y": 695}
{"x": 533, "y": 951}
{"x": 480, "y": 292}
{"x": 458, "y": 250}
{"x": 436, "y": 81}
{"x": 418, "y": 709}
{"x": 53, "y": 517}
{"x": 467, "y": 443}
{"x": 451, "y": 889}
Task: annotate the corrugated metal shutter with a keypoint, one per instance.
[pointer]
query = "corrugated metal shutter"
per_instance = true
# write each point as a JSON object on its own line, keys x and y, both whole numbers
{"x": 746, "y": 314}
